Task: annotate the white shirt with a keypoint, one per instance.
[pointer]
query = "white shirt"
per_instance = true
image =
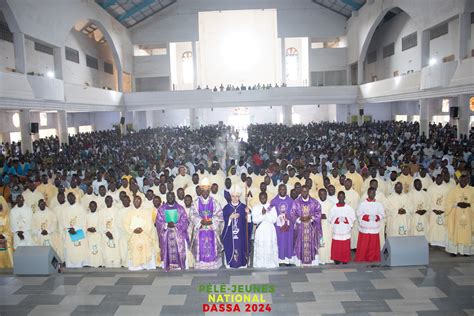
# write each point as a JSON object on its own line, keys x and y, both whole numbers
{"x": 372, "y": 209}
{"x": 341, "y": 230}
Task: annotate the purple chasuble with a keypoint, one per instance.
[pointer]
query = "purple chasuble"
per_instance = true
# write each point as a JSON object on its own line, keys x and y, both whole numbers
{"x": 172, "y": 240}
{"x": 308, "y": 234}
{"x": 285, "y": 238}
{"x": 206, "y": 236}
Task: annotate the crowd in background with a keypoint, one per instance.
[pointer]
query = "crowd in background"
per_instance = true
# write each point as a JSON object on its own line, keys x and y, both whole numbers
{"x": 242, "y": 87}
{"x": 387, "y": 157}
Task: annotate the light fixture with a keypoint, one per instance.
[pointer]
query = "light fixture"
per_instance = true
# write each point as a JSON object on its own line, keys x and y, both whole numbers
{"x": 50, "y": 74}
{"x": 433, "y": 61}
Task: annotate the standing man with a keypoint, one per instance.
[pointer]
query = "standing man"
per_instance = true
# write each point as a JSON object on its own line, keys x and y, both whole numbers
{"x": 20, "y": 223}
{"x": 438, "y": 195}
{"x": 96, "y": 255}
{"x": 172, "y": 227}
{"x": 44, "y": 226}
{"x": 237, "y": 231}
{"x": 419, "y": 223}
{"x": 108, "y": 227}
{"x": 266, "y": 245}
{"x": 370, "y": 215}
{"x": 284, "y": 226}
{"x": 460, "y": 218}
{"x": 73, "y": 225}
{"x": 325, "y": 247}
{"x": 399, "y": 212}
{"x": 307, "y": 214}
{"x": 206, "y": 217}
{"x": 342, "y": 217}
{"x": 6, "y": 247}
{"x": 139, "y": 228}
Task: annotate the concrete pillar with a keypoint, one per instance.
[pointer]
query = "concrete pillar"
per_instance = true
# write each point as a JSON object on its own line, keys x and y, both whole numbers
{"x": 168, "y": 50}
{"x": 20, "y": 52}
{"x": 464, "y": 121}
{"x": 360, "y": 118}
{"x": 62, "y": 127}
{"x": 25, "y": 124}
{"x": 195, "y": 72}
{"x": 283, "y": 60}
{"x": 150, "y": 121}
{"x": 464, "y": 34}
{"x": 360, "y": 71}
{"x": 119, "y": 79}
{"x": 425, "y": 117}
{"x": 58, "y": 58}
{"x": 123, "y": 128}
{"x": 349, "y": 75}
{"x": 288, "y": 115}
{"x": 136, "y": 120}
{"x": 193, "y": 118}
{"x": 424, "y": 36}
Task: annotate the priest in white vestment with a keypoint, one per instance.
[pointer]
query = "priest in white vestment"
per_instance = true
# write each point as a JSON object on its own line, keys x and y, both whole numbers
{"x": 265, "y": 243}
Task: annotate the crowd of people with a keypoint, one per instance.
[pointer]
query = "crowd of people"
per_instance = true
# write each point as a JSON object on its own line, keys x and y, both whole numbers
{"x": 178, "y": 198}
{"x": 231, "y": 87}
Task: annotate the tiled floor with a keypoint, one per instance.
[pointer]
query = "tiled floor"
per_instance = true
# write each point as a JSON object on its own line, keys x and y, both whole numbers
{"x": 445, "y": 287}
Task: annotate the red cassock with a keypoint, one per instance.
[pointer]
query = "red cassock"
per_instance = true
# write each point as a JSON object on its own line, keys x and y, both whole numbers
{"x": 368, "y": 245}
{"x": 341, "y": 249}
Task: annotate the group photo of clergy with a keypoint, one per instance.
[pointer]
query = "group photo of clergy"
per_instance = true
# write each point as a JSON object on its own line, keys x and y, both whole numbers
{"x": 180, "y": 198}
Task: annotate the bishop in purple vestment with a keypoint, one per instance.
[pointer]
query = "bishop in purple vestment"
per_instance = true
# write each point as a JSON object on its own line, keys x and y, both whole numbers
{"x": 173, "y": 237}
{"x": 284, "y": 226}
{"x": 237, "y": 231}
{"x": 206, "y": 216}
{"x": 306, "y": 212}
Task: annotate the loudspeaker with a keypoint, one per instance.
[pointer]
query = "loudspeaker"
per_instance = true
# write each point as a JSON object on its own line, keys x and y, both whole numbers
{"x": 34, "y": 128}
{"x": 122, "y": 120}
{"x": 405, "y": 251}
{"x": 361, "y": 112}
{"x": 454, "y": 112}
{"x": 35, "y": 260}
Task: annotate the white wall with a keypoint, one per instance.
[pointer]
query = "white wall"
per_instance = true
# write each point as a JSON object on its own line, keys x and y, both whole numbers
{"x": 327, "y": 59}
{"x": 36, "y": 61}
{"x": 447, "y": 44}
{"x": 7, "y": 55}
{"x": 80, "y": 73}
{"x": 7, "y": 127}
{"x": 296, "y": 18}
{"x": 426, "y": 14}
{"x": 393, "y": 31}
{"x": 151, "y": 66}
{"x": 99, "y": 120}
{"x": 52, "y": 21}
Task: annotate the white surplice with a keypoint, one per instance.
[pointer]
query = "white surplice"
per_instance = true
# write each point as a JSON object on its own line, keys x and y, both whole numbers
{"x": 265, "y": 244}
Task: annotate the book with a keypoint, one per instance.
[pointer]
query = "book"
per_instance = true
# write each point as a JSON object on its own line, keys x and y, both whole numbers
{"x": 79, "y": 235}
{"x": 171, "y": 215}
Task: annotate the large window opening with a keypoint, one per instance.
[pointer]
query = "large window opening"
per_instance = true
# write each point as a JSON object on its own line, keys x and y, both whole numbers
{"x": 239, "y": 47}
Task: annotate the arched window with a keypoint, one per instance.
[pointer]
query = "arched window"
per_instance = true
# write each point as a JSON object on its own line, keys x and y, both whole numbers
{"x": 188, "y": 71}
{"x": 291, "y": 62}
